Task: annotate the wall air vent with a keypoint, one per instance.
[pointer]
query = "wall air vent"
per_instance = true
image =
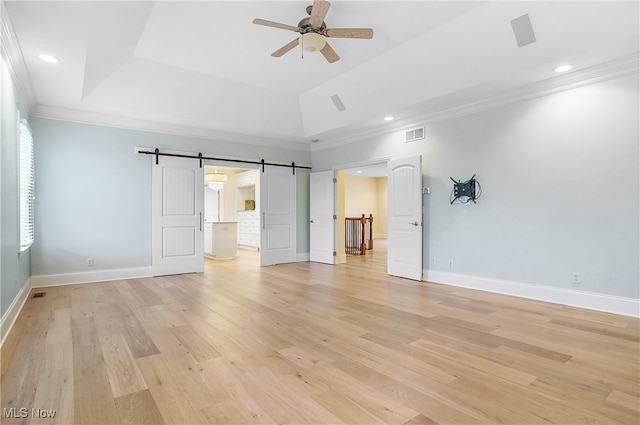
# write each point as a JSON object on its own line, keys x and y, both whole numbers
{"x": 414, "y": 134}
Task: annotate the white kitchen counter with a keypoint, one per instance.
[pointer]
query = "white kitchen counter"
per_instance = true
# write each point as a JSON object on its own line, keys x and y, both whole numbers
{"x": 220, "y": 239}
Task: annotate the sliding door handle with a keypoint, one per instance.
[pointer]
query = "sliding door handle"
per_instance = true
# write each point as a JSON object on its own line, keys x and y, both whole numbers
{"x": 263, "y": 220}
{"x": 200, "y": 222}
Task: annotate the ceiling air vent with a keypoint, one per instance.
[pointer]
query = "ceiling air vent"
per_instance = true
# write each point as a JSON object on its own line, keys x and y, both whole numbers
{"x": 414, "y": 134}
{"x": 523, "y": 30}
{"x": 338, "y": 102}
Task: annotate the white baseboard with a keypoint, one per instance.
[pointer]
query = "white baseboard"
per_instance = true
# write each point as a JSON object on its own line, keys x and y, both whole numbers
{"x": 10, "y": 316}
{"x": 571, "y": 297}
{"x": 41, "y": 281}
{"x": 302, "y": 257}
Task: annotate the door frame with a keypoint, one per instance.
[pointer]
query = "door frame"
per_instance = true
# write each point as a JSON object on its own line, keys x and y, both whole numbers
{"x": 375, "y": 161}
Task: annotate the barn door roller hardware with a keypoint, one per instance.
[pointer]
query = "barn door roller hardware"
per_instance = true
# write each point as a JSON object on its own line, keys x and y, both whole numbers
{"x": 156, "y": 152}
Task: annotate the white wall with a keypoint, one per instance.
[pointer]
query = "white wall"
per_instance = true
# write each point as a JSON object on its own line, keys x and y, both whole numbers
{"x": 560, "y": 176}
{"x": 93, "y": 193}
{"x": 367, "y": 195}
{"x": 361, "y": 196}
{"x": 212, "y": 210}
{"x": 229, "y": 199}
{"x": 380, "y": 217}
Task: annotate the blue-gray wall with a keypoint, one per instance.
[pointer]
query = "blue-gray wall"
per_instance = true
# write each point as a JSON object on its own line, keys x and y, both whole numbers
{"x": 14, "y": 268}
{"x": 560, "y": 176}
{"x": 93, "y": 193}
{"x": 560, "y": 184}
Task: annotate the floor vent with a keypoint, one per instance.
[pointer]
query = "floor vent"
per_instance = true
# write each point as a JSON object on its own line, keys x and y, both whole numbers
{"x": 414, "y": 134}
{"x": 39, "y": 295}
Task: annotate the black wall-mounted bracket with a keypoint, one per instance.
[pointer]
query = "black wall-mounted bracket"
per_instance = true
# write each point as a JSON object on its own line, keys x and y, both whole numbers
{"x": 465, "y": 192}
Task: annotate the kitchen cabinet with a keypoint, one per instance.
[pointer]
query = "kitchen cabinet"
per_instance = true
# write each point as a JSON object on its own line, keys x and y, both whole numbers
{"x": 248, "y": 228}
{"x": 247, "y": 213}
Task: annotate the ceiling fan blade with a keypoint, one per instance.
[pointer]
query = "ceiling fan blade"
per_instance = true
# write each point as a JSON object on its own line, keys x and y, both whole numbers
{"x": 349, "y": 32}
{"x": 275, "y": 25}
{"x": 284, "y": 49}
{"x": 330, "y": 55}
{"x": 318, "y": 12}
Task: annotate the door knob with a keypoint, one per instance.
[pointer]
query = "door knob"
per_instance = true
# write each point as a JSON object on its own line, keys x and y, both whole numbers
{"x": 415, "y": 223}
{"x": 310, "y": 221}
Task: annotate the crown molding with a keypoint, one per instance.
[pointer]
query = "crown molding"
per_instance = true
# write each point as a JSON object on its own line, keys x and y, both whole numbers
{"x": 597, "y": 73}
{"x": 10, "y": 50}
{"x": 130, "y": 123}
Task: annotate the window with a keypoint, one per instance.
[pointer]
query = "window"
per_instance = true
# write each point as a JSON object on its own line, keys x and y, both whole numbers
{"x": 26, "y": 186}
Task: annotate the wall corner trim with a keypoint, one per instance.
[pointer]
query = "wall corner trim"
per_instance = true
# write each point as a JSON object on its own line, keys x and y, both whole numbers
{"x": 12, "y": 313}
{"x": 569, "y": 297}
{"x": 42, "y": 281}
{"x": 302, "y": 257}
{"x": 15, "y": 62}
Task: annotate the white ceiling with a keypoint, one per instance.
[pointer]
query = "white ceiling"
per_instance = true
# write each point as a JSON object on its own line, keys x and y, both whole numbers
{"x": 202, "y": 68}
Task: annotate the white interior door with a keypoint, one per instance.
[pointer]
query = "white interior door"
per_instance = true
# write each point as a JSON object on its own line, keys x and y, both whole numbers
{"x": 321, "y": 208}
{"x": 277, "y": 216}
{"x": 404, "y": 257}
{"x": 177, "y": 216}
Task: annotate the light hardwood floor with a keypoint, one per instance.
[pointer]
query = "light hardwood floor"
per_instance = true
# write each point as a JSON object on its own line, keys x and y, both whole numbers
{"x": 312, "y": 344}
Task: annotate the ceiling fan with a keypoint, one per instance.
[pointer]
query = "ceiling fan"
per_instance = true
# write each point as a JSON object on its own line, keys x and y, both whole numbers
{"x": 313, "y": 32}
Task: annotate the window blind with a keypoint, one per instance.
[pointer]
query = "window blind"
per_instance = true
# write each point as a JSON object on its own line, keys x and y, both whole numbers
{"x": 26, "y": 186}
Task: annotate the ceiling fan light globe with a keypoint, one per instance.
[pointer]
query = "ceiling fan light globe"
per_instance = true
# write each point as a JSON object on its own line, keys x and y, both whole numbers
{"x": 312, "y": 42}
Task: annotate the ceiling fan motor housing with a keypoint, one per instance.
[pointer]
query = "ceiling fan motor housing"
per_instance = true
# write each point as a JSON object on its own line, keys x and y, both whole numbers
{"x": 313, "y": 32}
{"x": 306, "y": 27}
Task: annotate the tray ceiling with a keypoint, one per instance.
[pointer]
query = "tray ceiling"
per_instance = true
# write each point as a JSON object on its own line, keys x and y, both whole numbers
{"x": 202, "y": 68}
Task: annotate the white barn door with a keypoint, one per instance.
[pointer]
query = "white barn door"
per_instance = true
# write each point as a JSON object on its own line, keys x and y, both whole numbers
{"x": 277, "y": 216}
{"x": 321, "y": 212}
{"x": 177, "y": 216}
{"x": 404, "y": 257}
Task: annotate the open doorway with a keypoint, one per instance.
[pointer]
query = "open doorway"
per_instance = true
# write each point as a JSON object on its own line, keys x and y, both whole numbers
{"x": 404, "y": 216}
{"x": 256, "y": 210}
{"x": 362, "y": 206}
{"x": 231, "y": 218}
{"x": 178, "y": 213}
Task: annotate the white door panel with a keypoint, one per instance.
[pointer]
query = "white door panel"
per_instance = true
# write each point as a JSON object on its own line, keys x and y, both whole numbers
{"x": 404, "y": 257}
{"x": 277, "y": 216}
{"x": 177, "y": 205}
{"x": 321, "y": 211}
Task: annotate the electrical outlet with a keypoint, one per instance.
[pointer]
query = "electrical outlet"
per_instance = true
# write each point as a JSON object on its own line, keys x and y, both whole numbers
{"x": 433, "y": 261}
{"x": 450, "y": 264}
{"x": 576, "y": 279}
{"x": 89, "y": 262}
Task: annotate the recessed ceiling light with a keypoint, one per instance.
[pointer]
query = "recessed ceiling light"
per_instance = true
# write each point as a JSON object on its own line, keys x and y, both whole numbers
{"x": 388, "y": 118}
{"x": 49, "y": 58}
{"x": 563, "y": 68}
{"x": 359, "y": 171}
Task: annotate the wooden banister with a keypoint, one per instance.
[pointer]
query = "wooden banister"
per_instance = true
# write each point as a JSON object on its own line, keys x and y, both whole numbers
{"x": 356, "y": 241}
